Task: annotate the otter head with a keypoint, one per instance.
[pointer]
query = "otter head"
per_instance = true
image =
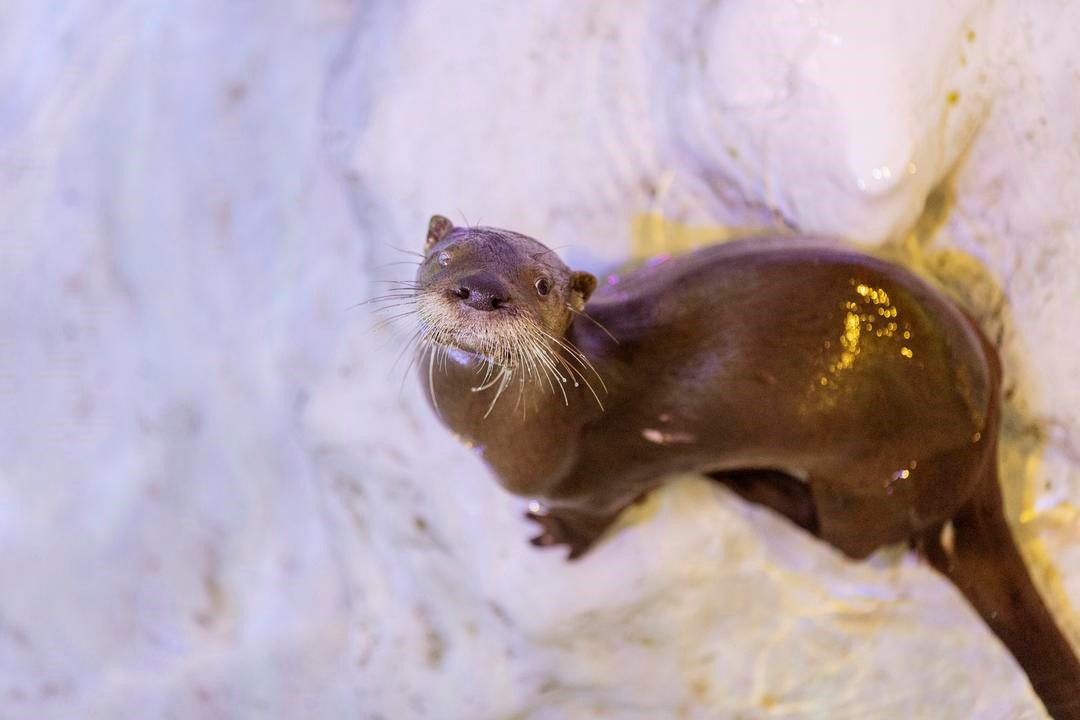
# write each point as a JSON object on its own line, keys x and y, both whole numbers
{"x": 495, "y": 293}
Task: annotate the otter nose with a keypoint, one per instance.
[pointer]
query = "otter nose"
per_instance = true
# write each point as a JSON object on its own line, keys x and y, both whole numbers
{"x": 483, "y": 292}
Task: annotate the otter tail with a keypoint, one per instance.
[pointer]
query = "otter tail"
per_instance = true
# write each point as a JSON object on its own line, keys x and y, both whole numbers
{"x": 985, "y": 565}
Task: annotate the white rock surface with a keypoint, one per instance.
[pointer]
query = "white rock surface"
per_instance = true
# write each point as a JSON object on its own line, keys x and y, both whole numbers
{"x": 215, "y": 501}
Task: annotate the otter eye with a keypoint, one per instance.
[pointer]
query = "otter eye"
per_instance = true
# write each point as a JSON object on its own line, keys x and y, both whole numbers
{"x": 444, "y": 258}
{"x": 543, "y": 285}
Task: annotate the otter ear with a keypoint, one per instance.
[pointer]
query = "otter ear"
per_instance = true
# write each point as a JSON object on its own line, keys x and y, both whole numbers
{"x": 437, "y": 229}
{"x": 582, "y": 285}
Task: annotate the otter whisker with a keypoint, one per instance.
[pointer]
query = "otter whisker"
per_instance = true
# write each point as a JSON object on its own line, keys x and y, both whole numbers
{"x": 570, "y": 348}
{"x": 440, "y": 357}
{"x": 393, "y": 293}
{"x": 521, "y": 350}
{"x": 402, "y": 303}
{"x": 533, "y": 369}
{"x": 545, "y": 363}
{"x": 382, "y": 324}
{"x": 506, "y": 377}
{"x": 442, "y": 351}
{"x": 420, "y": 255}
{"x": 521, "y": 398}
{"x": 537, "y": 358}
{"x": 576, "y": 374}
{"x": 543, "y": 358}
{"x": 391, "y": 298}
{"x": 383, "y": 298}
{"x": 412, "y": 343}
{"x": 391, "y": 305}
{"x": 526, "y": 358}
{"x": 487, "y": 367}
{"x": 549, "y": 373}
{"x": 431, "y": 383}
{"x": 387, "y": 322}
{"x": 489, "y": 380}
{"x": 543, "y": 355}
{"x": 400, "y": 262}
{"x": 578, "y": 355}
{"x": 593, "y": 320}
{"x": 403, "y": 283}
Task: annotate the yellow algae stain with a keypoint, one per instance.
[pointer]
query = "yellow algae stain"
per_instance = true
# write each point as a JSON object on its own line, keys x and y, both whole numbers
{"x": 639, "y": 512}
{"x": 653, "y": 234}
{"x": 699, "y": 688}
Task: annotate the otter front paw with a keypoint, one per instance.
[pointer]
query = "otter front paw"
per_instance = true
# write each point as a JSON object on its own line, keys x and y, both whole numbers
{"x": 552, "y": 531}
{"x": 558, "y": 528}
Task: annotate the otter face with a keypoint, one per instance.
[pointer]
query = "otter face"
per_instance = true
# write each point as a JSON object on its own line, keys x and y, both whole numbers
{"x": 496, "y": 293}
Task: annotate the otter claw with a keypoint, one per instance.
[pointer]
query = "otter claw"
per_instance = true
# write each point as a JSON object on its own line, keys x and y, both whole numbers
{"x": 555, "y": 532}
{"x": 551, "y": 534}
{"x": 546, "y": 522}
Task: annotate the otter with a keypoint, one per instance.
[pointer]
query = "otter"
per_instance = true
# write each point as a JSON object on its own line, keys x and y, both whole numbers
{"x": 835, "y": 388}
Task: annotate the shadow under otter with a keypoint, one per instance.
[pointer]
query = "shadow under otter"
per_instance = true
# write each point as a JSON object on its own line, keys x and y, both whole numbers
{"x": 837, "y": 389}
